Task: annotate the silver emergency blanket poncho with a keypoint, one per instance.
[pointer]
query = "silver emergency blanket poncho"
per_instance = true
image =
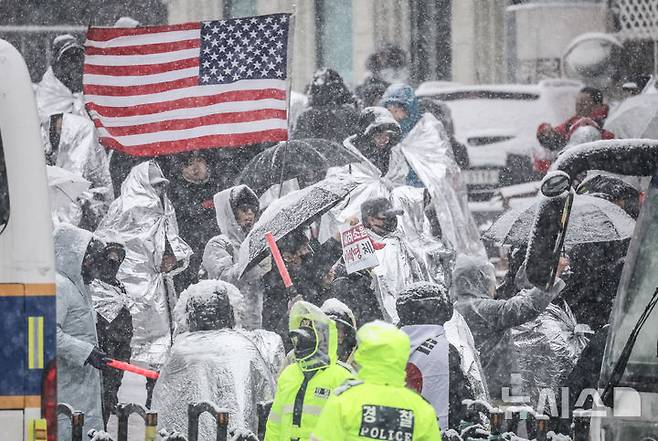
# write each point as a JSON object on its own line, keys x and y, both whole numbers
{"x": 80, "y": 152}
{"x": 546, "y": 350}
{"x": 224, "y": 367}
{"x": 234, "y": 369}
{"x": 180, "y": 310}
{"x": 220, "y": 258}
{"x": 108, "y": 299}
{"x": 491, "y": 320}
{"x": 78, "y": 384}
{"x": 145, "y": 221}
{"x": 398, "y": 267}
{"x": 434, "y": 255}
{"x": 54, "y": 97}
{"x": 428, "y": 151}
{"x": 459, "y": 335}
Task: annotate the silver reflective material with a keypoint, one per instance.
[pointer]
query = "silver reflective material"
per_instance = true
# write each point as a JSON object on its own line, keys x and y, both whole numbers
{"x": 231, "y": 368}
{"x": 435, "y": 256}
{"x": 54, "y": 97}
{"x": 78, "y": 383}
{"x": 80, "y": 153}
{"x": 206, "y": 287}
{"x": 398, "y": 267}
{"x": 108, "y": 299}
{"x": 546, "y": 349}
{"x": 220, "y": 258}
{"x": 428, "y": 151}
{"x": 144, "y": 220}
{"x": 459, "y": 335}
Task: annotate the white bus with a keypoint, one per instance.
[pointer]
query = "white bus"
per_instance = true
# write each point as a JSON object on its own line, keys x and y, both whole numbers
{"x": 27, "y": 271}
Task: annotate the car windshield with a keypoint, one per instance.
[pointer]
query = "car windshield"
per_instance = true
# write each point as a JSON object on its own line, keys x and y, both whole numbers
{"x": 637, "y": 286}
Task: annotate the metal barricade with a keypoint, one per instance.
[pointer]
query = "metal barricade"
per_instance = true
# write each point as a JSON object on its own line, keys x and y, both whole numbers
{"x": 263, "y": 409}
{"x": 124, "y": 410}
{"x": 497, "y": 419}
{"x": 77, "y": 420}
{"x": 580, "y": 425}
{"x": 195, "y": 410}
{"x": 541, "y": 427}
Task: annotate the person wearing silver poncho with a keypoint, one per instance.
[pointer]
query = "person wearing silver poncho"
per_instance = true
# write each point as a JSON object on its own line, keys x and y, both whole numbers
{"x": 398, "y": 265}
{"x": 213, "y": 361}
{"x": 237, "y": 210}
{"x": 425, "y": 152}
{"x": 491, "y": 320}
{"x": 69, "y": 136}
{"x": 78, "y": 376}
{"x": 145, "y": 221}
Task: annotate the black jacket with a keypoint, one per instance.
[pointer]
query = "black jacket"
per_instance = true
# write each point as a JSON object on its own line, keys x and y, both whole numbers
{"x": 332, "y": 122}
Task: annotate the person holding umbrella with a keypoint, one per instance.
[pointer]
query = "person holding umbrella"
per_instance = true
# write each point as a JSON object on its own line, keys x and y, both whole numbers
{"x": 491, "y": 320}
{"x": 237, "y": 210}
{"x": 296, "y": 253}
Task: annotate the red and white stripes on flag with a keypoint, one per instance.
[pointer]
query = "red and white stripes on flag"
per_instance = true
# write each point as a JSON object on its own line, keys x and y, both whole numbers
{"x": 143, "y": 91}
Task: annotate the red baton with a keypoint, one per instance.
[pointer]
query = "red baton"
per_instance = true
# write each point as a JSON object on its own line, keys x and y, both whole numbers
{"x": 123, "y": 366}
{"x": 280, "y": 264}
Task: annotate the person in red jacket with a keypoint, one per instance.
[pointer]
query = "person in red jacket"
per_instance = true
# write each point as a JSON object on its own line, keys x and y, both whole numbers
{"x": 590, "y": 110}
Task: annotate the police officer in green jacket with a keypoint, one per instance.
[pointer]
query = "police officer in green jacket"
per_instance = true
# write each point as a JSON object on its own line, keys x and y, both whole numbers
{"x": 305, "y": 386}
{"x": 378, "y": 405}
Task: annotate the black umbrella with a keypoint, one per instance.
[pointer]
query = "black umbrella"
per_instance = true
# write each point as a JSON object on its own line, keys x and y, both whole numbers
{"x": 305, "y": 159}
{"x": 592, "y": 219}
{"x": 289, "y": 212}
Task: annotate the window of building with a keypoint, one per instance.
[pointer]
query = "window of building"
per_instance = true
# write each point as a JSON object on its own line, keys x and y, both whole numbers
{"x": 333, "y": 20}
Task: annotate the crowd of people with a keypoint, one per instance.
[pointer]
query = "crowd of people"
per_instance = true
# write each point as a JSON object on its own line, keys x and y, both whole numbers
{"x": 149, "y": 271}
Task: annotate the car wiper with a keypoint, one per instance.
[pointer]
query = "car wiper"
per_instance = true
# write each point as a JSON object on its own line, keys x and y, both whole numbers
{"x": 620, "y": 366}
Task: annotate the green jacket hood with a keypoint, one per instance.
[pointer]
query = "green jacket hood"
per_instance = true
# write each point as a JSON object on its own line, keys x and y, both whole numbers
{"x": 307, "y": 314}
{"x": 382, "y": 353}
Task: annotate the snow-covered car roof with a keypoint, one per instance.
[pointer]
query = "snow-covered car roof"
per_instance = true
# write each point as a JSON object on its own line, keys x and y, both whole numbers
{"x": 502, "y": 110}
{"x": 442, "y": 88}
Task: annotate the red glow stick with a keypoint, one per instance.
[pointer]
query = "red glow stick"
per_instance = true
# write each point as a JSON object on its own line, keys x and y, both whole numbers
{"x": 280, "y": 264}
{"x": 123, "y": 366}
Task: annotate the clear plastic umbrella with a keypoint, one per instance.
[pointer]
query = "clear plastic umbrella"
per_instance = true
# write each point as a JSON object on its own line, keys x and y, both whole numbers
{"x": 636, "y": 117}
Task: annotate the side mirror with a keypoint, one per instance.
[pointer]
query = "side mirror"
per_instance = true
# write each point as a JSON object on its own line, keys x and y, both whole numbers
{"x": 547, "y": 238}
{"x": 555, "y": 183}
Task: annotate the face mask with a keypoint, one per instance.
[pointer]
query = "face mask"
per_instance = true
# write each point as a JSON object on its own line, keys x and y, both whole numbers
{"x": 303, "y": 341}
{"x": 390, "y": 224}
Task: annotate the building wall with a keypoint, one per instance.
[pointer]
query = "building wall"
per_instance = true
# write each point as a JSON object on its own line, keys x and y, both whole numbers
{"x": 478, "y": 49}
{"x": 542, "y": 32}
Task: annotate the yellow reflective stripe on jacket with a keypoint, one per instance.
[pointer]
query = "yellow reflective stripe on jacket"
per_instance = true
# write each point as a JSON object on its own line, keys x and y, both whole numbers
{"x": 307, "y": 409}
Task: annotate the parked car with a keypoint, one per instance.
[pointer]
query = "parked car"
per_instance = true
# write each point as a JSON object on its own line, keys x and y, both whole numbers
{"x": 498, "y": 124}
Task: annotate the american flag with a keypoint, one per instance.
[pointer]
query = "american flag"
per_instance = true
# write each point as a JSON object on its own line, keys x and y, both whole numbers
{"x": 169, "y": 89}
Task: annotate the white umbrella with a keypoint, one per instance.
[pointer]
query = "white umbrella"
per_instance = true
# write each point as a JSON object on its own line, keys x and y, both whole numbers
{"x": 64, "y": 186}
{"x": 636, "y": 117}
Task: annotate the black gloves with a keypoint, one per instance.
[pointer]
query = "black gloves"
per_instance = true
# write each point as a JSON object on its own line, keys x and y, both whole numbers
{"x": 98, "y": 358}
